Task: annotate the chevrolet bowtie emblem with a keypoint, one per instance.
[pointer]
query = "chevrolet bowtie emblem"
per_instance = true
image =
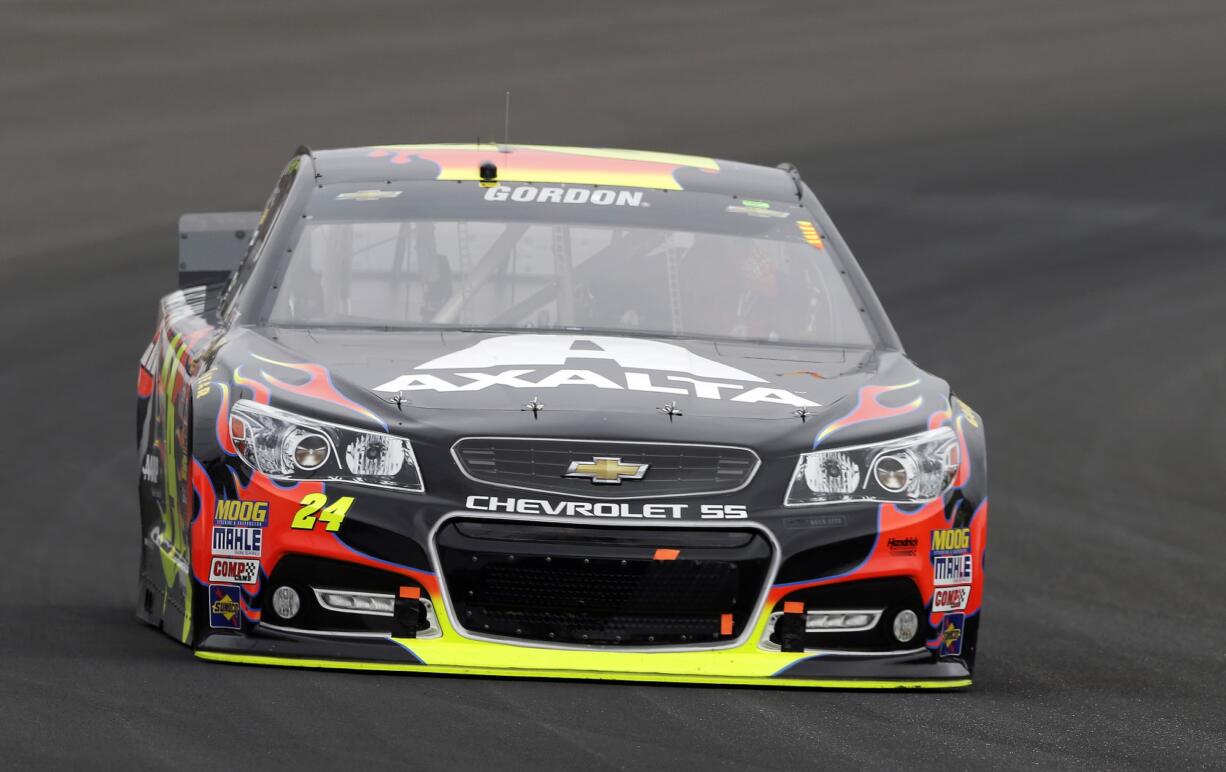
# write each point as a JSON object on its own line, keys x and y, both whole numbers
{"x": 607, "y": 470}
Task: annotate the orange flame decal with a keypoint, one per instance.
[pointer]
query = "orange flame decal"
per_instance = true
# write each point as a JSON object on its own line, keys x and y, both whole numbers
{"x": 318, "y": 385}
{"x": 868, "y": 408}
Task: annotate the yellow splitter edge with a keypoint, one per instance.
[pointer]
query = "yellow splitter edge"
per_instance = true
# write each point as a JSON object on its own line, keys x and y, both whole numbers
{"x": 599, "y": 675}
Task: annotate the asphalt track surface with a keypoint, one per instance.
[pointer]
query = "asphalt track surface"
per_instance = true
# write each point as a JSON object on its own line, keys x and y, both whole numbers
{"x": 1037, "y": 190}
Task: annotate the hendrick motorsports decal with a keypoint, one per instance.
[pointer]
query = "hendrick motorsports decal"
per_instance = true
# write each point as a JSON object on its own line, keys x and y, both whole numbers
{"x": 606, "y": 509}
{"x": 704, "y": 378}
{"x": 238, "y": 570}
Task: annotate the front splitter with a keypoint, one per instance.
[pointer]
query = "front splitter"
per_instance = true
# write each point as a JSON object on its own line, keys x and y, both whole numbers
{"x": 745, "y": 665}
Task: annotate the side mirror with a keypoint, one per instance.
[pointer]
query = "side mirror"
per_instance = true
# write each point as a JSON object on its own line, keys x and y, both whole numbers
{"x": 212, "y": 245}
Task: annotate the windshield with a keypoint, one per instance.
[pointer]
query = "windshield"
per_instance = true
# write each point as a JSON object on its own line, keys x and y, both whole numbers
{"x": 776, "y": 283}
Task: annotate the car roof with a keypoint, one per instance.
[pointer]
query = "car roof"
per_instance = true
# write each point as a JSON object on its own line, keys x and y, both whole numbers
{"x": 550, "y": 164}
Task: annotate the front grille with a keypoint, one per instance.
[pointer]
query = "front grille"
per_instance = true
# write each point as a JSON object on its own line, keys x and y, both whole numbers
{"x": 542, "y": 465}
{"x": 602, "y": 585}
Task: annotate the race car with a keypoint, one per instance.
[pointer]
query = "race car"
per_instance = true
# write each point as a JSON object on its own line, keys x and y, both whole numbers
{"x": 553, "y": 412}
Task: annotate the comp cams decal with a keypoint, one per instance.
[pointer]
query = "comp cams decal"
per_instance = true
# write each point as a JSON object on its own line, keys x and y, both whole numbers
{"x": 951, "y": 598}
{"x": 704, "y": 378}
{"x": 237, "y": 570}
{"x": 607, "y": 509}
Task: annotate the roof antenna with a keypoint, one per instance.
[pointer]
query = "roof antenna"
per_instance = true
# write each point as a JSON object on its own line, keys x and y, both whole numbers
{"x": 506, "y": 128}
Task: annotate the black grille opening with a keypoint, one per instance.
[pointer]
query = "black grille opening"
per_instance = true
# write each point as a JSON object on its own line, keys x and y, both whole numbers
{"x": 542, "y": 465}
{"x": 603, "y": 585}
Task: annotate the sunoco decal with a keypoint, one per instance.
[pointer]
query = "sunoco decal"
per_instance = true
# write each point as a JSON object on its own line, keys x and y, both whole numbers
{"x": 952, "y": 627}
{"x": 644, "y": 362}
{"x": 224, "y": 609}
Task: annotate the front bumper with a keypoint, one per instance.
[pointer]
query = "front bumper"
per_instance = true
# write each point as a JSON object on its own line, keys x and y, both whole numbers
{"x": 746, "y": 653}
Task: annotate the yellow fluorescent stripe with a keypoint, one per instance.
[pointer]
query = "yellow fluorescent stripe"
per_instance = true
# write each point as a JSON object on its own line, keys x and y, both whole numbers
{"x": 650, "y": 156}
{"x": 832, "y": 683}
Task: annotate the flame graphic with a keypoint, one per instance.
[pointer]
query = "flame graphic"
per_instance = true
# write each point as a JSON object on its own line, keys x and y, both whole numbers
{"x": 144, "y": 383}
{"x": 260, "y": 392}
{"x": 318, "y": 386}
{"x": 223, "y": 423}
{"x": 868, "y": 408}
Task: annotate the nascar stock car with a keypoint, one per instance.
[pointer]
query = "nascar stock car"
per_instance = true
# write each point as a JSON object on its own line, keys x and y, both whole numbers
{"x": 554, "y": 412}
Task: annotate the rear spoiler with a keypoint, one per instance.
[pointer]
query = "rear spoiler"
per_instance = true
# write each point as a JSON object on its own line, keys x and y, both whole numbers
{"x": 212, "y": 245}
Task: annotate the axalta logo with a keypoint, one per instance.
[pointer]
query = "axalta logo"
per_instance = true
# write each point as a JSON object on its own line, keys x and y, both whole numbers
{"x": 234, "y": 512}
{"x": 705, "y": 378}
{"x": 548, "y": 195}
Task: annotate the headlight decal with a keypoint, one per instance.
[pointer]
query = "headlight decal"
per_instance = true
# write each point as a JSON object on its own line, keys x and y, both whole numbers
{"x": 904, "y": 470}
{"x": 292, "y": 447}
{"x": 946, "y": 418}
{"x": 869, "y": 408}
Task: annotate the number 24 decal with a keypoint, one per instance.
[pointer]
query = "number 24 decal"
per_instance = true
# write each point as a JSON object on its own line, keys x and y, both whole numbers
{"x": 316, "y": 509}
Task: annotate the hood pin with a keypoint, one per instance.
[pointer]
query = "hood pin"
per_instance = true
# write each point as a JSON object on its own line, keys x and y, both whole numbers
{"x": 670, "y": 410}
{"x": 397, "y": 400}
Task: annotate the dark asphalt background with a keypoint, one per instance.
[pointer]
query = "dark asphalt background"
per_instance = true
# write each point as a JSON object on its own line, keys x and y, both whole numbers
{"x": 1037, "y": 190}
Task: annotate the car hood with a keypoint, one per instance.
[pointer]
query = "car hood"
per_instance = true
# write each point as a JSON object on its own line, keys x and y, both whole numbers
{"x": 605, "y": 374}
